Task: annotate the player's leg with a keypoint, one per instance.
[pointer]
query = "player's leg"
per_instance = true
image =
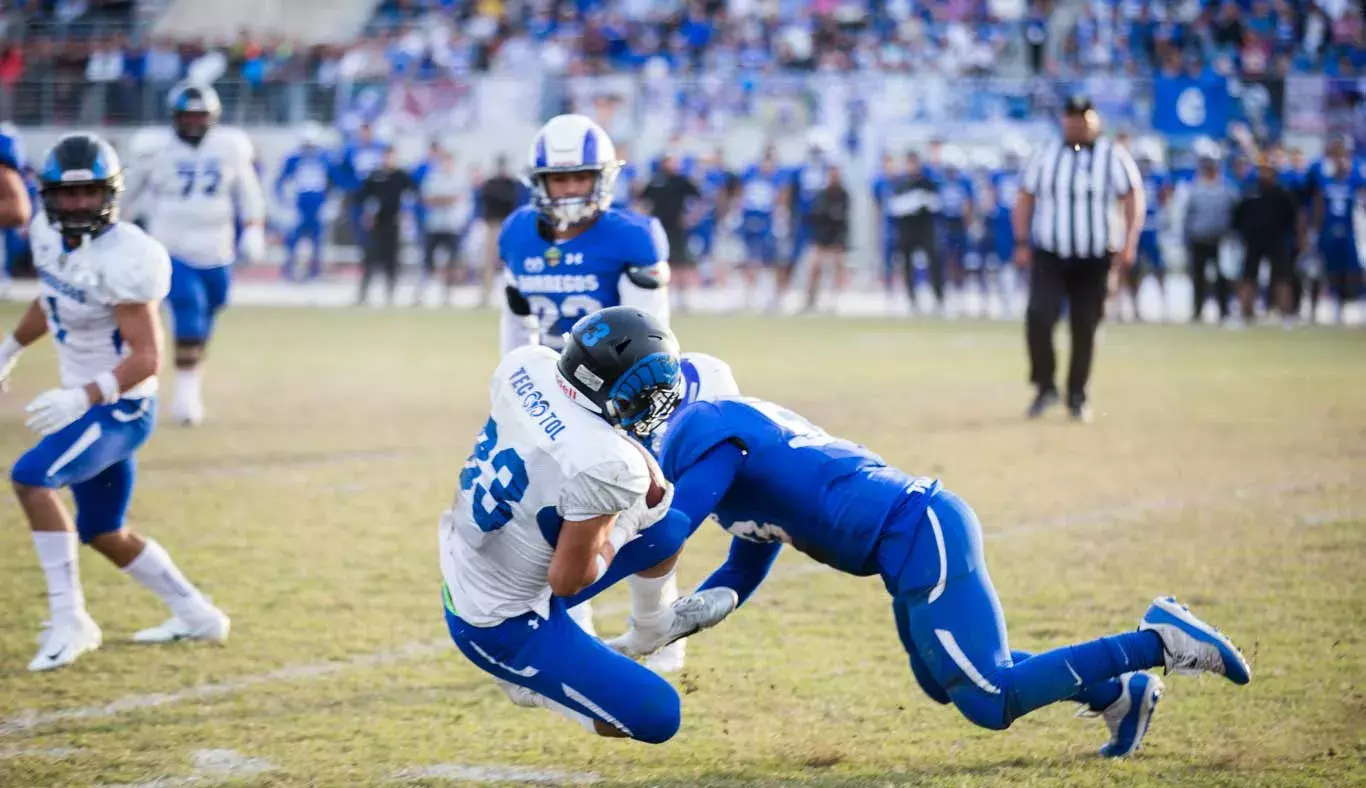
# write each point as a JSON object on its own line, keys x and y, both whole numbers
{"x": 431, "y": 242}
{"x": 191, "y": 318}
{"x": 292, "y": 239}
{"x": 101, "y": 505}
{"x": 955, "y": 622}
{"x": 104, "y": 436}
{"x": 552, "y": 663}
{"x": 454, "y": 243}
{"x": 1046, "y": 292}
{"x": 1247, "y": 288}
{"x": 653, "y": 593}
{"x": 314, "y": 235}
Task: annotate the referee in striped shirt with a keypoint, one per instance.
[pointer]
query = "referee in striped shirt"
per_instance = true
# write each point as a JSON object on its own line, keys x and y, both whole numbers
{"x": 1078, "y": 216}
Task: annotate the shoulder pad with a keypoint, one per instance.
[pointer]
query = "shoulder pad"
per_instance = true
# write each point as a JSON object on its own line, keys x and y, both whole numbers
{"x": 141, "y": 272}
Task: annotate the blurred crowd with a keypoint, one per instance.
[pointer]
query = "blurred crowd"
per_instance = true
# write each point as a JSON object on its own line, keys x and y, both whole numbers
{"x": 96, "y": 41}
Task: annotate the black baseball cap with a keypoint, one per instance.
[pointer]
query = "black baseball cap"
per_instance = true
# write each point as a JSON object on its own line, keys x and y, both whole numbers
{"x": 1078, "y": 105}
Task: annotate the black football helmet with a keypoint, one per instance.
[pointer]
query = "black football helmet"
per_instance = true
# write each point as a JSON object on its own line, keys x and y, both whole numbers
{"x": 194, "y": 110}
{"x": 81, "y": 161}
{"x": 623, "y": 364}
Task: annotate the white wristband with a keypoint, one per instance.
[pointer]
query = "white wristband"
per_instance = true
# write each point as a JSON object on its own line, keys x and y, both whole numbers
{"x": 601, "y": 565}
{"x": 108, "y": 386}
{"x": 10, "y": 348}
{"x": 618, "y": 537}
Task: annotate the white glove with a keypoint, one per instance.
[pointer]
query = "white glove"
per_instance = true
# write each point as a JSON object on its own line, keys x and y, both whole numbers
{"x": 252, "y": 247}
{"x": 639, "y": 517}
{"x": 56, "y": 408}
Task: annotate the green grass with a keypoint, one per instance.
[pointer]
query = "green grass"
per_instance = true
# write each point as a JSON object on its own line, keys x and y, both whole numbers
{"x": 1226, "y": 468}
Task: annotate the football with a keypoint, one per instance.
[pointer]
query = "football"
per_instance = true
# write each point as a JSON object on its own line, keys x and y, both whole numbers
{"x": 657, "y": 482}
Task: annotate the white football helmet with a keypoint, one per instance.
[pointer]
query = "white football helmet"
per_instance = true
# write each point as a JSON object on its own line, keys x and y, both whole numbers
{"x": 311, "y": 134}
{"x": 572, "y": 143}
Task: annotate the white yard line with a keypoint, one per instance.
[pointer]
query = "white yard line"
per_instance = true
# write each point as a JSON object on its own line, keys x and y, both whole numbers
{"x": 493, "y": 773}
{"x": 210, "y": 767}
{"x": 33, "y": 719}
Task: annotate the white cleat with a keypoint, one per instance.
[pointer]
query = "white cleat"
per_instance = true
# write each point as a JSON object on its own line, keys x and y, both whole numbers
{"x": 66, "y": 640}
{"x": 188, "y": 411}
{"x": 669, "y": 659}
{"x": 689, "y": 615}
{"x": 210, "y": 624}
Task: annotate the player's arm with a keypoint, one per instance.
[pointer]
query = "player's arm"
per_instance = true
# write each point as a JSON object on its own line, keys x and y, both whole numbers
{"x": 251, "y": 207}
{"x": 594, "y": 524}
{"x": 285, "y": 176}
{"x": 16, "y": 210}
{"x": 644, "y": 284}
{"x": 30, "y": 328}
{"x": 745, "y": 568}
{"x": 696, "y": 495}
{"x": 582, "y": 553}
{"x": 135, "y": 293}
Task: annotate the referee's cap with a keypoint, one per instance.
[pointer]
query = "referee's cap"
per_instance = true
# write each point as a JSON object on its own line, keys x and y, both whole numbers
{"x": 1078, "y": 104}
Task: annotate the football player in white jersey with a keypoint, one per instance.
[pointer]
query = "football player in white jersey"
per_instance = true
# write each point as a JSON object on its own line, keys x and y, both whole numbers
{"x": 553, "y": 491}
{"x": 569, "y": 254}
{"x": 101, "y": 282}
{"x": 197, "y": 189}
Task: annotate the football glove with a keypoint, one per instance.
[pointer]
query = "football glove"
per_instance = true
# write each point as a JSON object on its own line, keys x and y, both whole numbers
{"x": 55, "y": 409}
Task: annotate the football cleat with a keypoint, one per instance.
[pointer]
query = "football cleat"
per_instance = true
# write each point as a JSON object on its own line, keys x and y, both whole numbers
{"x": 210, "y": 624}
{"x": 1190, "y": 646}
{"x": 1129, "y": 716}
{"x": 66, "y": 640}
{"x": 689, "y": 615}
{"x": 669, "y": 659}
{"x": 188, "y": 410}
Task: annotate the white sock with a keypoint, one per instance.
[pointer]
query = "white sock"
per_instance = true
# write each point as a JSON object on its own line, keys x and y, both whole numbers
{"x": 651, "y": 596}
{"x": 155, "y": 571}
{"x": 187, "y": 384}
{"x": 583, "y": 616}
{"x": 57, "y": 555}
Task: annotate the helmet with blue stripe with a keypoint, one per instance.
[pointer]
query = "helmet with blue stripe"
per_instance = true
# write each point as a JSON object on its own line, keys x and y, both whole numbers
{"x": 80, "y": 182}
{"x": 572, "y": 144}
{"x": 195, "y": 108}
{"x": 622, "y": 363}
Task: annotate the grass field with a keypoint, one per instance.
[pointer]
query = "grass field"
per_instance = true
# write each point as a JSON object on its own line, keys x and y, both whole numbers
{"x": 1226, "y": 468}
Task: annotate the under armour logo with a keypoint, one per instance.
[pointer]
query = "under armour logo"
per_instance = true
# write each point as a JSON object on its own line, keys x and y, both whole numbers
{"x": 534, "y": 623}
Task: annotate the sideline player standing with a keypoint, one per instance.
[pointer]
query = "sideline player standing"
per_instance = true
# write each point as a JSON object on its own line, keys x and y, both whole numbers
{"x": 101, "y": 281}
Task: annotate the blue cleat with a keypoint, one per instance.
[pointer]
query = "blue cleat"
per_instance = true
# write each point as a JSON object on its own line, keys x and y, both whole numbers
{"x": 1191, "y": 646}
{"x": 1128, "y": 718}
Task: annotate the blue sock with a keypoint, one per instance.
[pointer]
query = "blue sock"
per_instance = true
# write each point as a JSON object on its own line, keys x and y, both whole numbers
{"x": 1096, "y": 696}
{"x": 1084, "y": 672}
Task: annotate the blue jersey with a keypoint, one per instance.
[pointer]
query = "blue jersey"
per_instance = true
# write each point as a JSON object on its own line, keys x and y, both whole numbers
{"x": 759, "y": 191}
{"x": 714, "y": 181}
{"x": 307, "y": 173}
{"x": 1339, "y": 190}
{"x": 807, "y": 181}
{"x": 11, "y": 153}
{"x": 829, "y": 498}
{"x": 955, "y": 196}
{"x": 357, "y": 161}
{"x": 624, "y": 187}
{"x": 1154, "y": 183}
{"x": 882, "y": 193}
{"x": 565, "y": 281}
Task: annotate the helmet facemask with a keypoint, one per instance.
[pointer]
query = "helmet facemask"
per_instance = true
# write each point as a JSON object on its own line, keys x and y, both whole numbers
{"x": 82, "y": 207}
{"x": 571, "y": 211}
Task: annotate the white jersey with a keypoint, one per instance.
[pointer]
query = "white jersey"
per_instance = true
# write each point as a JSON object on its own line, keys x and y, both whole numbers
{"x": 194, "y": 195}
{"x": 539, "y": 459}
{"x": 79, "y": 289}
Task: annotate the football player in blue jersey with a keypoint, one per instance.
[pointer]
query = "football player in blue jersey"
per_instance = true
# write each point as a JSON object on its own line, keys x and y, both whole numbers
{"x": 569, "y": 254}
{"x": 885, "y": 223}
{"x": 1157, "y": 189}
{"x": 785, "y": 481}
{"x": 956, "y": 199}
{"x": 1336, "y": 183}
{"x": 16, "y": 203}
{"x": 808, "y": 179}
{"x": 763, "y": 195}
{"x": 306, "y": 175}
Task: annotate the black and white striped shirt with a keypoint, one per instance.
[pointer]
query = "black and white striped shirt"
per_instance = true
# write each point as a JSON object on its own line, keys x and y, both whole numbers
{"x": 1076, "y": 190}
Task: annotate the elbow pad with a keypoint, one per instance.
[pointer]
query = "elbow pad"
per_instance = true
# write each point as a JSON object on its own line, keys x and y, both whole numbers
{"x": 649, "y": 277}
{"x": 517, "y": 303}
